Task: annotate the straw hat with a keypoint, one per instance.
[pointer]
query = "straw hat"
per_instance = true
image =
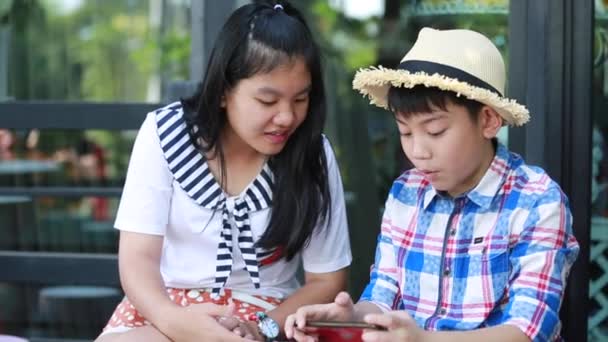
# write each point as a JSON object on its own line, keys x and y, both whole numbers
{"x": 462, "y": 61}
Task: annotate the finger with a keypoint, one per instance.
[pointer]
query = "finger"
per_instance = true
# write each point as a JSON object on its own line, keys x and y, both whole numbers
{"x": 229, "y": 323}
{"x": 289, "y": 326}
{"x": 378, "y": 336}
{"x": 385, "y": 336}
{"x": 238, "y": 331}
{"x": 231, "y": 307}
{"x": 310, "y": 313}
{"x": 382, "y": 320}
{"x": 401, "y": 315}
{"x": 391, "y": 320}
{"x": 343, "y": 299}
{"x": 301, "y": 336}
{"x": 228, "y": 336}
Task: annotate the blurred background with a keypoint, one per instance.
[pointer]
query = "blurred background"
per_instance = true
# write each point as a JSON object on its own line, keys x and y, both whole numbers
{"x": 78, "y": 76}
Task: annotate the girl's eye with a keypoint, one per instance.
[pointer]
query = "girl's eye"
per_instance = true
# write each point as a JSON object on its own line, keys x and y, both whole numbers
{"x": 266, "y": 102}
{"x": 302, "y": 99}
{"x": 407, "y": 134}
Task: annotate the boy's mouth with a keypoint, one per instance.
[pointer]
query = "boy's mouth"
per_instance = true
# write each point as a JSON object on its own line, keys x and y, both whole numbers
{"x": 429, "y": 174}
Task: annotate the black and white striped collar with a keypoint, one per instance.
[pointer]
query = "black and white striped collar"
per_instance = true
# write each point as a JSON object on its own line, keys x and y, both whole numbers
{"x": 191, "y": 170}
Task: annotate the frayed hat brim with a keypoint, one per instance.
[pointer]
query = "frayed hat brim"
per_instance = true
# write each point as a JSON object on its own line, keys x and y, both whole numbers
{"x": 375, "y": 82}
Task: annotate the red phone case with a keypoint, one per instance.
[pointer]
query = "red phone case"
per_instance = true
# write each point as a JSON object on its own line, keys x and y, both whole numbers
{"x": 339, "y": 334}
{"x": 340, "y": 331}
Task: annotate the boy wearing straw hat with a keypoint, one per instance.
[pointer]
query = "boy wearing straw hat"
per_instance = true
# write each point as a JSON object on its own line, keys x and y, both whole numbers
{"x": 475, "y": 245}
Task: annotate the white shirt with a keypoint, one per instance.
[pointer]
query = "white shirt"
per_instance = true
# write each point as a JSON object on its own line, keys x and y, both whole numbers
{"x": 152, "y": 202}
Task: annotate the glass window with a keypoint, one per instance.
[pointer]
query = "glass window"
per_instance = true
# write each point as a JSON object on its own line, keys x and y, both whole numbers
{"x": 78, "y": 50}
{"x": 358, "y": 34}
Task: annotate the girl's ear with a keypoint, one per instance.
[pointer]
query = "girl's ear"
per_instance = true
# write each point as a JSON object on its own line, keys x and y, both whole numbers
{"x": 490, "y": 122}
{"x": 223, "y": 101}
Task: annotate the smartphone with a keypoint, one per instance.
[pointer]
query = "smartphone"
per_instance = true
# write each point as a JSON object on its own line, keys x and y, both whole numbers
{"x": 328, "y": 331}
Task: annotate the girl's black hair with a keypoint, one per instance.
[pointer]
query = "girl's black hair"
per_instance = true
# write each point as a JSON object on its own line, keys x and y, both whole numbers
{"x": 255, "y": 39}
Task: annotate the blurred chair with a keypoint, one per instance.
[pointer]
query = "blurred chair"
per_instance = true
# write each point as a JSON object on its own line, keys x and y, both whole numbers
{"x": 17, "y": 218}
{"x": 74, "y": 311}
{"x": 99, "y": 237}
{"x": 59, "y": 231}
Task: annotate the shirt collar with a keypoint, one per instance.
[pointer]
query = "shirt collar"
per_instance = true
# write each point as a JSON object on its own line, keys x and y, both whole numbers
{"x": 493, "y": 179}
{"x": 190, "y": 169}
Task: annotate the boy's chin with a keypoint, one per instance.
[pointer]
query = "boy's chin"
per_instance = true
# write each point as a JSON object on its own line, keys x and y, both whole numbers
{"x": 443, "y": 188}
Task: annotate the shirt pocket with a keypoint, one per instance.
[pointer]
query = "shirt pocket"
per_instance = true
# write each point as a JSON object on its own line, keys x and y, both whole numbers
{"x": 484, "y": 276}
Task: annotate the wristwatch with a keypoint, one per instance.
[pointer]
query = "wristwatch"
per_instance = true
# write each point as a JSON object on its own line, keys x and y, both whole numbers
{"x": 269, "y": 328}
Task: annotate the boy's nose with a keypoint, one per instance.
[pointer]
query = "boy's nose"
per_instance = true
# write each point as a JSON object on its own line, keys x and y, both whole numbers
{"x": 420, "y": 150}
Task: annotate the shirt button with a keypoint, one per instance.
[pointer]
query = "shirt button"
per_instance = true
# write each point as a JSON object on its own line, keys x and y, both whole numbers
{"x": 442, "y": 311}
{"x": 446, "y": 272}
{"x": 453, "y": 232}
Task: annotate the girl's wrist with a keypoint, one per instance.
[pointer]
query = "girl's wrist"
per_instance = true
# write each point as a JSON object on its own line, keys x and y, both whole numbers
{"x": 169, "y": 319}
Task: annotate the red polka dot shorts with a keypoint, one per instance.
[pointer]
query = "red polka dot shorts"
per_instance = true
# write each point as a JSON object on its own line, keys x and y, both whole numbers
{"x": 126, "y": 317}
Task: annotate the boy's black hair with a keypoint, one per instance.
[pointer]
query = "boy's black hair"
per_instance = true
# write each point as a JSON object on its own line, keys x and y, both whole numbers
{"x": 256, "y": 39}
{"x": 411, "y": 101}
{"x": 418, "y": 99}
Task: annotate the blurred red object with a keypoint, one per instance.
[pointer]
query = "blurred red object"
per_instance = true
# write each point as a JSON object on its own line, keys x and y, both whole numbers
{"x": 7, "y": 139}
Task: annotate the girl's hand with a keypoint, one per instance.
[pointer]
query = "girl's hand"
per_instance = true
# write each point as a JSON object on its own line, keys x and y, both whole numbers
{"x": 199, "y": 322}
{"x": 342, "y": 309}
{"x": 400, "y": 327}
{"x": 247, "y": 329}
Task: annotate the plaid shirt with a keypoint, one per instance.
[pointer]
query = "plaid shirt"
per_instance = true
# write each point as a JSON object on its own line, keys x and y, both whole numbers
{"x": 499, "y": 254}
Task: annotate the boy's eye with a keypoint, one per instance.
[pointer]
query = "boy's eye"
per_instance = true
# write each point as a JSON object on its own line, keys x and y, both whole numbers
{"x": 405, "y": 134}
{"x": 436, "y": 134}
{"x": 302, "y": 99}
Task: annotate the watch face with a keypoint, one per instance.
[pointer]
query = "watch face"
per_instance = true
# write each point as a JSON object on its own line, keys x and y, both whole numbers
{"x": 269, "y": 327}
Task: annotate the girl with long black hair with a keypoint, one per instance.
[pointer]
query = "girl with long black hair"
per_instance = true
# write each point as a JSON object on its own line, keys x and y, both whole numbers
{"x": 229, "y": 191}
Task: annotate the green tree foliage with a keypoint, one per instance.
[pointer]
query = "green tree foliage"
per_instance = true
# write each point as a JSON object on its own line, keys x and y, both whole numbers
{"x": 102, "y": 50}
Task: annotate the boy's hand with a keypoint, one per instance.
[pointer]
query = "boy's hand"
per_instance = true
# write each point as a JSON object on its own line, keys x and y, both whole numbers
{"x": 400, "y": 327}
{"x": 342, "y": 309}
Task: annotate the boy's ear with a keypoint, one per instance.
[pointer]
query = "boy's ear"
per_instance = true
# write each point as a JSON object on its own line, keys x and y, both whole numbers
{"x": 490, "y": 122}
